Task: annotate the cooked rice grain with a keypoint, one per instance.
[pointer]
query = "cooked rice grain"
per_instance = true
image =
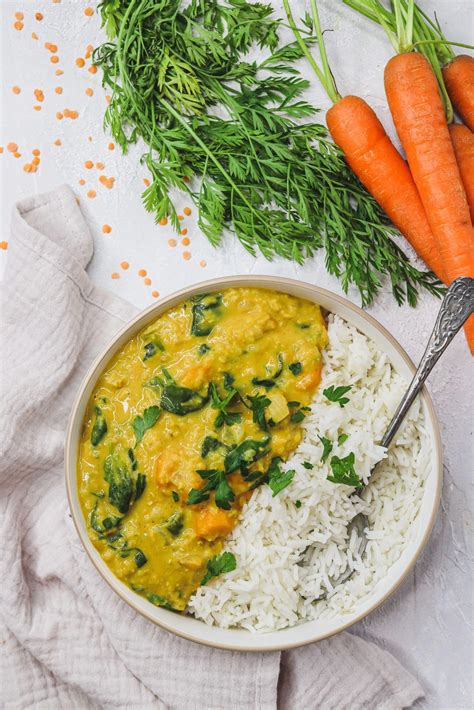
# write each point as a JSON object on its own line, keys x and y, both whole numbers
{"x": 286, "y": 556}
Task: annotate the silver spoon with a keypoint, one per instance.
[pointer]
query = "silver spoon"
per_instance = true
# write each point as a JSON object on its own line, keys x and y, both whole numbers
{"x": 456, "y": 307}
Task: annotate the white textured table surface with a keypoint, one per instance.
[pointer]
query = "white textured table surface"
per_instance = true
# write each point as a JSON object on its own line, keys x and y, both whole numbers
{"x": 428, "y": 623}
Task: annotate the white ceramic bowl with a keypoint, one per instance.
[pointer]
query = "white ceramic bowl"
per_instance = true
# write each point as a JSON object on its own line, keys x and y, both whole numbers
{"x": 307, "y": 632}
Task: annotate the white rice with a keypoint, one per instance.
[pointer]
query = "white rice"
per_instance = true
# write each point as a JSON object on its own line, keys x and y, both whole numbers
{"x": 286, "y": 556}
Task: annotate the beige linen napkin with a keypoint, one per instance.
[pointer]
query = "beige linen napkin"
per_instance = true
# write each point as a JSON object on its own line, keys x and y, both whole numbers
{"x": 68, "y": 640}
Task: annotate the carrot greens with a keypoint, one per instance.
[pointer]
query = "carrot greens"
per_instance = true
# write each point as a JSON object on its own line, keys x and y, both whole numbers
{"x": 238, "y": 136}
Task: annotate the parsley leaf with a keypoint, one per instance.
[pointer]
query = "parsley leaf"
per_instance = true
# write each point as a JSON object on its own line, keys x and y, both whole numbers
{"x": 175, "y": 496}
{"x": 215, "y": 481}
{"x": 278, "y": 479}
{"x": 343, "y": 471}
{"x": 149, "y": 419}
{"x": 258, "y": 404}
{"x": 241, "y": 456}
{"x": 327, "y": 447}
{"x": 307, "y": 464}
{"x": 297, "y": 503}
{"x": 295, "y": 368}
{"x": 342, "y": 438}
{"x": 335, "y": 394}
{"x": 224, "y": 417}
{"x": 218, "y": 565}
{"x": 297, "y": 417}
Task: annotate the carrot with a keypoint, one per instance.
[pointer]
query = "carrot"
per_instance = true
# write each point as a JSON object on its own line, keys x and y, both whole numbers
{"x": 370, "y": 153}
{"x": 417, "y": 111}
{"x": 212, "y": 522}
{"x": 463, "y": 143}
{"x": 458, "y": 76}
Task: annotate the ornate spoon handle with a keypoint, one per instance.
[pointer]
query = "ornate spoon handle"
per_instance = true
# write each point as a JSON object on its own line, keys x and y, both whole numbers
{"x": 457, "y": 306}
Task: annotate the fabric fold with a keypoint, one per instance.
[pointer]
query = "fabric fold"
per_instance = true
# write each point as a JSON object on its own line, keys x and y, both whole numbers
{"x": 69, "y": 640}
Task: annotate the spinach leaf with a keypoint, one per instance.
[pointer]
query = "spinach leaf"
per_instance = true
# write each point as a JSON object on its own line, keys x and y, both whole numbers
{"x": 182, "y": 400}
{"x": 327, "y": 447}
{"x": 224, "y": 417}
{"x": 140, "y": 558}
{"x": 258, "y": 403}
{"x": 270, "y": 381}
{"x": 336, "y": 394}
{"x": 111, "y": 522}
{"x": 118, "y": 474}
{"x": 99, "y": 430}
{"x": 141, "y": 424}
{"x": 295, "y": 368}
{"x": 278, "y": 479}
{"x": 241, "y": 456}
{"x": 175, "y": 523}
{"x": 209, "y": 443}
{"x": 158, "y": 600}
{"x": 343, "y": 471}
{"x": 206, "y": 312}
{"x": 218, "y": 565}
{"x": 140, "y": 485}
{"x": 175, "y": 399}
{"x": 152, "y": 347}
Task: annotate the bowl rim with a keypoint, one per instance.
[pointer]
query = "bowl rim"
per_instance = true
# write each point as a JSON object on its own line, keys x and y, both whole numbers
{"x": 277, "y": 283}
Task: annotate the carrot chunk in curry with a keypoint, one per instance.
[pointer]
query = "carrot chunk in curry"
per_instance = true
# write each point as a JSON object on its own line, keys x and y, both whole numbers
{"x": 193, "y": 414}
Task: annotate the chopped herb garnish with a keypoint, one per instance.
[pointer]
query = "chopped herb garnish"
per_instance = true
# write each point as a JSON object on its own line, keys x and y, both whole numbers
{"x": 327, "y": 447}
{"x": 228, "y": 380}
{"x": 258, "y": 403}
{"x": 297, "y": 417}
{"x": 343, "y": 471}
{"x": 141, "y": 424}
{"x": 293, "y": 404}
{"x": 298, "y": 503}
{"x": 209, "y": 443}
{"x": 218, "y": 565}
{"x": 241, "y": 456}
{"x": 203, "y": 349}
{"x": 278, "y": 479}
{"x": 224, "y": 417}
{"x": 215, "y": 481}
{"x": 342, "y": 438}
{"x": 295, "y": 368}
{"x": 175, "y": 496}
{"x": 336, "y": 394}
{"x": 308, "y": 465}
{"x": 99, "y": 430}
{"x": 303, "y": 326}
